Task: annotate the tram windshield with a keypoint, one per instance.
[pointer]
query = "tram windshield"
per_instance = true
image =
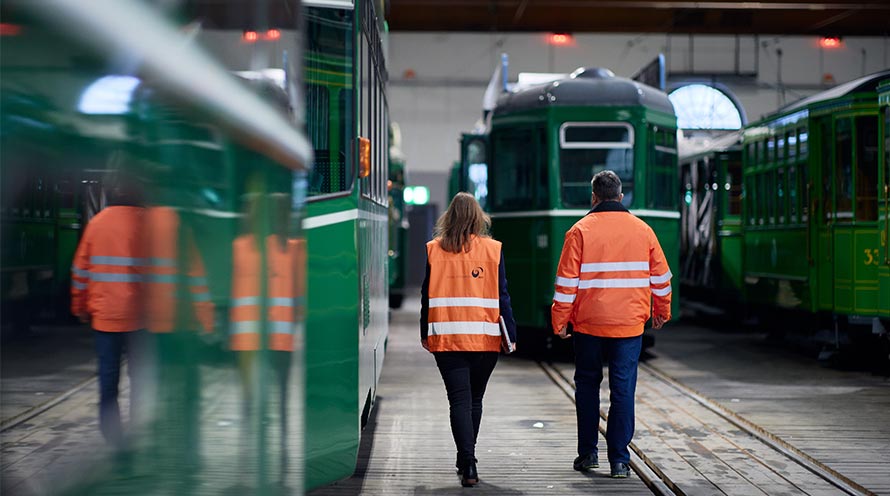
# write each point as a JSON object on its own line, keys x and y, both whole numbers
{"x": 587, "y": 148}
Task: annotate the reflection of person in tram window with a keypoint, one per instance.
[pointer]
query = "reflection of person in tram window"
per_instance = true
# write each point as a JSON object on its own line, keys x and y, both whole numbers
{"x": 265, "y": 309}
{"x": 178, "y": 310}
{"x": 107, "y": 293}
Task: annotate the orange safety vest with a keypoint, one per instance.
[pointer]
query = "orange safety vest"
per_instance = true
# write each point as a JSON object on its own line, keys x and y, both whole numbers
{"x": 285, "y": 293}
{"x": 610, "y": 269}
{"x": 464, "y": 297}
{"x": 106, "y": 274}
{"x": 162, "y": 274}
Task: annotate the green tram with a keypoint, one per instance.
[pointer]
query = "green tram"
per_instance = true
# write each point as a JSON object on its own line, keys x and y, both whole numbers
{"x": 346, "y": 229}
{"x": 102, "y": 93}
{"x": 545, "y": 144}
{"x": 815, "y": 205}
{"x": 398, "y": 220}
{"x": 792, "y": 212}
{"x": 711, "y": 219}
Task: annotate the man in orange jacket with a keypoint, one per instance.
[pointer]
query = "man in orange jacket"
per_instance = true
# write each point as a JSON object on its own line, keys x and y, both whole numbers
{"x": 107, "y": 292}
{"x": 610, "y": 270}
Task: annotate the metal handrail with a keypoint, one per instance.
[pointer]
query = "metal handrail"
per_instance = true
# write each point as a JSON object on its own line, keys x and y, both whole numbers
{"x": 178, "y": 67}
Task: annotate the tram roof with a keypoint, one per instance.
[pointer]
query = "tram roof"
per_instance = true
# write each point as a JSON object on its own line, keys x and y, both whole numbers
{"x": 592, "y": 87}
{"x": 863, "y": 84}
{"x": 689, "y": 150}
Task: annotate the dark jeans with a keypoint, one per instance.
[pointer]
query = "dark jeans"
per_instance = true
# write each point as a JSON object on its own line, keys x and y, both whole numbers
{"x": 623, "y": 355}
{"x": 110, "y": 347}
{"x": 466, "y": 375}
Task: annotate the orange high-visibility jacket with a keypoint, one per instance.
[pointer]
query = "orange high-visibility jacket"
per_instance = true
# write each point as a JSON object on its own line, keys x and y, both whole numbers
{"x": 106, "y": 274}
{"x": 285, "y": 293}
{"x": 463, "y": 297}
{"x": 610, "y": 269}
{"x": 162, "y": 274}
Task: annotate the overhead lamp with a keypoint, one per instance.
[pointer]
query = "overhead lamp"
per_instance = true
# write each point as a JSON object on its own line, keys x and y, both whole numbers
{"x": 560, "y": 39}
{"x": 830, "y": 42}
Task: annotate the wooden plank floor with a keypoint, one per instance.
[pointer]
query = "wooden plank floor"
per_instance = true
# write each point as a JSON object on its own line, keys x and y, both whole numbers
{"x": 61, "y": 450}
{"x": 37, "y": 367}
{"x": 526, "y": 443}
{"x": 841, "y": 418}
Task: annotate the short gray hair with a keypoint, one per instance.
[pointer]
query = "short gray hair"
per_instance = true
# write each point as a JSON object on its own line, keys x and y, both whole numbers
{"x": 606, "y": 185}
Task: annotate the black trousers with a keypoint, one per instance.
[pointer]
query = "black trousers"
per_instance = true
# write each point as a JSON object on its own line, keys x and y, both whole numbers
{"x": 465, "y": 374}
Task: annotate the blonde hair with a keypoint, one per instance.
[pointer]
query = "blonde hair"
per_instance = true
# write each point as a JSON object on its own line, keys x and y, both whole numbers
{"x": 463, "y": 219}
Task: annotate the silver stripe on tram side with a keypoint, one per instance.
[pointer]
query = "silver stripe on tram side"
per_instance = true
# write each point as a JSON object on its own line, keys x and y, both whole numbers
{"x": 580, "y": 213}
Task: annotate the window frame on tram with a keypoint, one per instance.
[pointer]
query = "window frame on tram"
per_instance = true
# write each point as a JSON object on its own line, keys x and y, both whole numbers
{"x": 626, "y": 174}
{"x": 373, "y": 107}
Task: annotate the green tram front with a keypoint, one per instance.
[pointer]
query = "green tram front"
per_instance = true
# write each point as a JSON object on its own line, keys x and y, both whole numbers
{"x": 546, "y": 143}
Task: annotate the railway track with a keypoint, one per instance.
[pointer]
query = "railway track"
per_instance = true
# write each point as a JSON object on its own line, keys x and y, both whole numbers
{"x": 775, "y": 456}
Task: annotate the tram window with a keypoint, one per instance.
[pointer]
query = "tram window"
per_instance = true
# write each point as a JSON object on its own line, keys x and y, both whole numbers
{"x": 513, "y": 180}
{"x": 780, "y": 149}
{"x": 588, "y": 148}
{"x": 843, "y": 199}
{"x": 802, "y": 137}
{"x": 804, "y": 194}
{"x": 827, "y": 176}
{"x": 867, "y": 168}
{"x": 542, "y": 191}
{"x": 324, "y": 172}
{"x": 365, "y": 113}
{"x": 887, "y": 158}
{"x": 771, "y": 150}
{"x": 793, "y": 197}
{"x": 663, "y": 171}
{"x": 781, "y": 196}
{"x": 327, "y": 65}
{"x": 734, "y": 187}
{"x": 769, "y": 194}
{"x": 791, "y": 140}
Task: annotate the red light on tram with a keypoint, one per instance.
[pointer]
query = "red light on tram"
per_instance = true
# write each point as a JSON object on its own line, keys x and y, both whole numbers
{"x": 559, "y": 39}
{"x": 7, "y": 29}
{"x": 273, "y": 35}
{"x": 830, "y": 42}
{"x": 250, "y": 36}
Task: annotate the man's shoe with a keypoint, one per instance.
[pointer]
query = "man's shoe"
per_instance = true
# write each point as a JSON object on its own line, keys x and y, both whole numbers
{"x": 620, "y": 470}
{"x": 468, "y": 476}
{"x": 586, "y": 463}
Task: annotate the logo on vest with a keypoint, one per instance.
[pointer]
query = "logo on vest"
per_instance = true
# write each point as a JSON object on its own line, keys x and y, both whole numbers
{"x": 477, "y": 272}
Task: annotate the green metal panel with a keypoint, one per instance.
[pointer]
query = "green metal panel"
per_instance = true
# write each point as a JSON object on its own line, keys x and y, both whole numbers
{"x": 865, "y": 258}
{"x": 332, "y": 410}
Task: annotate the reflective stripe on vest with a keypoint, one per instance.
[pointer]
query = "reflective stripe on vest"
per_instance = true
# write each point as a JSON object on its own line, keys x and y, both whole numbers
{"x": 281, "y": 316}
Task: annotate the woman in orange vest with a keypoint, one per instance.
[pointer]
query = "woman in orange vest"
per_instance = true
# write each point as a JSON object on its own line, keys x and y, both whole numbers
{"x": 463, "y": 296}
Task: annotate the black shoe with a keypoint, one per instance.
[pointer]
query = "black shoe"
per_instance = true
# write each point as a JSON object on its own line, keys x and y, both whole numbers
{"x": 468, "y": 476}
{"x": 586, "y": 463}
{"x": 620, "y": 470}
{"x": 459, "y": 465}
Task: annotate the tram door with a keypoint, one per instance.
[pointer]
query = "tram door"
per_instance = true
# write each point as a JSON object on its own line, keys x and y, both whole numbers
{"x": 822, "y": 215}
{"x": 855, "y": 234}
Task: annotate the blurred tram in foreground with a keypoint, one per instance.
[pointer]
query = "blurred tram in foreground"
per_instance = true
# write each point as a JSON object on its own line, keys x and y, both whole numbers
{"x": 544, "y": 144}
{"x": 107, "y": 92}
{"x": 793, "y": 212}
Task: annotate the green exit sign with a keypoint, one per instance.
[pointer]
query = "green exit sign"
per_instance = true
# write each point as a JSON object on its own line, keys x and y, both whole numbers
{"x": 417, "y": 195}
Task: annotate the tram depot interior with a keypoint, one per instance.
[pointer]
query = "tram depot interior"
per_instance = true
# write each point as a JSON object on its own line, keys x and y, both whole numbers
{"x": 344, "y": 129}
